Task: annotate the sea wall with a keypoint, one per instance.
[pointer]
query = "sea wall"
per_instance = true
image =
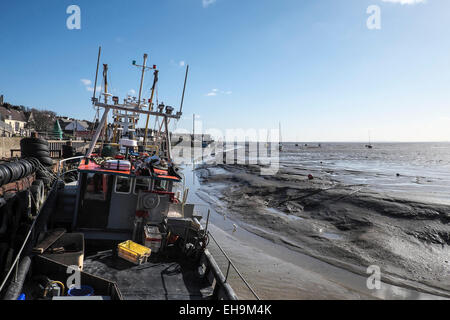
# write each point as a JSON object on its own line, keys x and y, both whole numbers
{"x": 8, "y": 143}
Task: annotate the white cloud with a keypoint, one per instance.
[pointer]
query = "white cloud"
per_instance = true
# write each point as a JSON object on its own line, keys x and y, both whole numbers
{"x": 91, "y": 89}
{"x": 88, "y": 85}
{"x": 182, "y": 63}
{"x": 132, "y": 92}
{"x": 86, "y": 82}
{"x": 215, "y": 92}
{"x": 207, "y": 3}
{"x": 405, "y": 1}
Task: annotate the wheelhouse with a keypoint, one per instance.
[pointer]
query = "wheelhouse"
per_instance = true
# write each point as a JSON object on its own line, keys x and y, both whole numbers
{"x": 110, "y": 202}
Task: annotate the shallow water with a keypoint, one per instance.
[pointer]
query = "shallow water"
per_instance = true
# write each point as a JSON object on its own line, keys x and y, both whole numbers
{"x": 423, "y": 168}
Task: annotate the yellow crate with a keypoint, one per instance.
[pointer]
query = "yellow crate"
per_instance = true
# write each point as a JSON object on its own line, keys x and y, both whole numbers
{"x": 133, "y": 252}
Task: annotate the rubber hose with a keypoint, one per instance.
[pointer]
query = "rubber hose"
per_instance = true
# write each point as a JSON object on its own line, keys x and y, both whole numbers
{"x": 4, "y": 214}
{"x": 16, "y": 285}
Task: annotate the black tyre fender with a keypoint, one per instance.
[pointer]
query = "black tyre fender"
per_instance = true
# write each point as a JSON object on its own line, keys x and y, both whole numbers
{"x": 14, "y": 171}
{"x": 18, "y": 170}
{"x": 33, "y": 162}
{"x": 22, "y": 168}
{"x": 46, "y": 180}
{"x": 3, "y": 175}
{"x": 6, "y": 174}
{"x": 31, "y": 152}
{"x": 28, "y": 167}
{"x": 46, "y": 161}
{"x": 34, "y": 146}
{"x": 40, "y": 154}
{"x": 28, "y": 141}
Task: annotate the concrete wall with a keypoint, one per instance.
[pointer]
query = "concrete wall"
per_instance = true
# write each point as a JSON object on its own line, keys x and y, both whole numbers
{"x": 6, "y": 144}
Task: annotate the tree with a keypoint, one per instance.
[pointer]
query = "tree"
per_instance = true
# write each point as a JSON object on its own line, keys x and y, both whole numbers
{"x": 43, "y": 120}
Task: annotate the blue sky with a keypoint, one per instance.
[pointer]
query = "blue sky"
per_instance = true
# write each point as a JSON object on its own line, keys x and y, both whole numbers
{"x": 314, "y": 66}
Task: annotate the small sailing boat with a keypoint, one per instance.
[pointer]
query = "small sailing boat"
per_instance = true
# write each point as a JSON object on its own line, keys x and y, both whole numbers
{"x": 369, "y": 146}
{"x": 280, "y": 145}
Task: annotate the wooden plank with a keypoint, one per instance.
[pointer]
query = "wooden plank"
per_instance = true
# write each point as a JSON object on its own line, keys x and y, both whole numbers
{"x": 49, "y": 240}
{"x": 18, "y": 185}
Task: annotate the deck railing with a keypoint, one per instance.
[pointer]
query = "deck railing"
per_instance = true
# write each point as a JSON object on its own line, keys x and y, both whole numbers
{"x": 230, "y": 265}
{"x": 61, "y": 169}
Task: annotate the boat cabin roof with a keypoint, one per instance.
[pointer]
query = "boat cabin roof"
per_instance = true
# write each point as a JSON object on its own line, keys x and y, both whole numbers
{"x": 93, "y": 167}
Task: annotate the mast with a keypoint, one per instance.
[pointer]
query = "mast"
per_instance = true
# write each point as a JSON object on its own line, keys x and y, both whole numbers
{"x": 105, "y": 93}
{"x": 96, "y": 74}
{"x": 144, "y": 66}
{"x": 184, "y": 88}
{"x": 155, "y": 80}
{"x": 97, "y": 114}
{"x": 129, "y": 109}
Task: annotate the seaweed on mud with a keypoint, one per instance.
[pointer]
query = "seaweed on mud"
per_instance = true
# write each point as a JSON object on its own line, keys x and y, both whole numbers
{"x": 432, "y": 236}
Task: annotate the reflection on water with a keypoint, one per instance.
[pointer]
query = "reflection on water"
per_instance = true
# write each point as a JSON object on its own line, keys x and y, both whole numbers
{"x": 421, "y": 170}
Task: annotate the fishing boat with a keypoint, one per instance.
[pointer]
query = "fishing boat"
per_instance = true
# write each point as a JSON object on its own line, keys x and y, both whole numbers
{"x": 124, "y": 228}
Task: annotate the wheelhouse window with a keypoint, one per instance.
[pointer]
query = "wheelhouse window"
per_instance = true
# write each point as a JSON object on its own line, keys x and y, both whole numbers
{"x": 96, "y": 187}
{"x": 161, "y": 185}
{"x": 142, "y": 184}
{"x": 123, "y": 185}
{"x": 94, "y": 201}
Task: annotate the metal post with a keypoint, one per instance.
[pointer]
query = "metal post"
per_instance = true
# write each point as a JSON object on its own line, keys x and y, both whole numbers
{"x": 228, "y": 271}
{"x": 16, "y": 271}
{"x": 193, "y": 141}
{"x": 169, "y": 149}
{"x": 207, "y": 222}
{"x": 184, "y": 88}
{"x": 98, "y": 132}
{"x": 105, "y": 79}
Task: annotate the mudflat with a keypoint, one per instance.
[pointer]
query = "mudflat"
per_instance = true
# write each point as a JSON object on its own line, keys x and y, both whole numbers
{"x": 352, "y": 226}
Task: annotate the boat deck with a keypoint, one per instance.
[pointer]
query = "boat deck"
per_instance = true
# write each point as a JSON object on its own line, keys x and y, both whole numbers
{"x": 161, "y": 278}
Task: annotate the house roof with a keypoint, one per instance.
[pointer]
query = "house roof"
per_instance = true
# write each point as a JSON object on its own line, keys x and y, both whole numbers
{"x": 12, "y": 114}
{"x": 76, "y": 124}
{"x": 64, "y": 121}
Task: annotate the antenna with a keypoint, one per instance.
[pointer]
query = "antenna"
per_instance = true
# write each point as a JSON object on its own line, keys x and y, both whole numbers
{"x": 184, "y": 88}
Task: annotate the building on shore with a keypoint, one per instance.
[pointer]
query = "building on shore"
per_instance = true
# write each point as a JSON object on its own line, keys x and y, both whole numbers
{"x": 15, "y": 118}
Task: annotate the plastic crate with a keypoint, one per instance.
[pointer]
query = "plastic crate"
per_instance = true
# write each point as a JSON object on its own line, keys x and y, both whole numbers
{"x": 133, "y": 252}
